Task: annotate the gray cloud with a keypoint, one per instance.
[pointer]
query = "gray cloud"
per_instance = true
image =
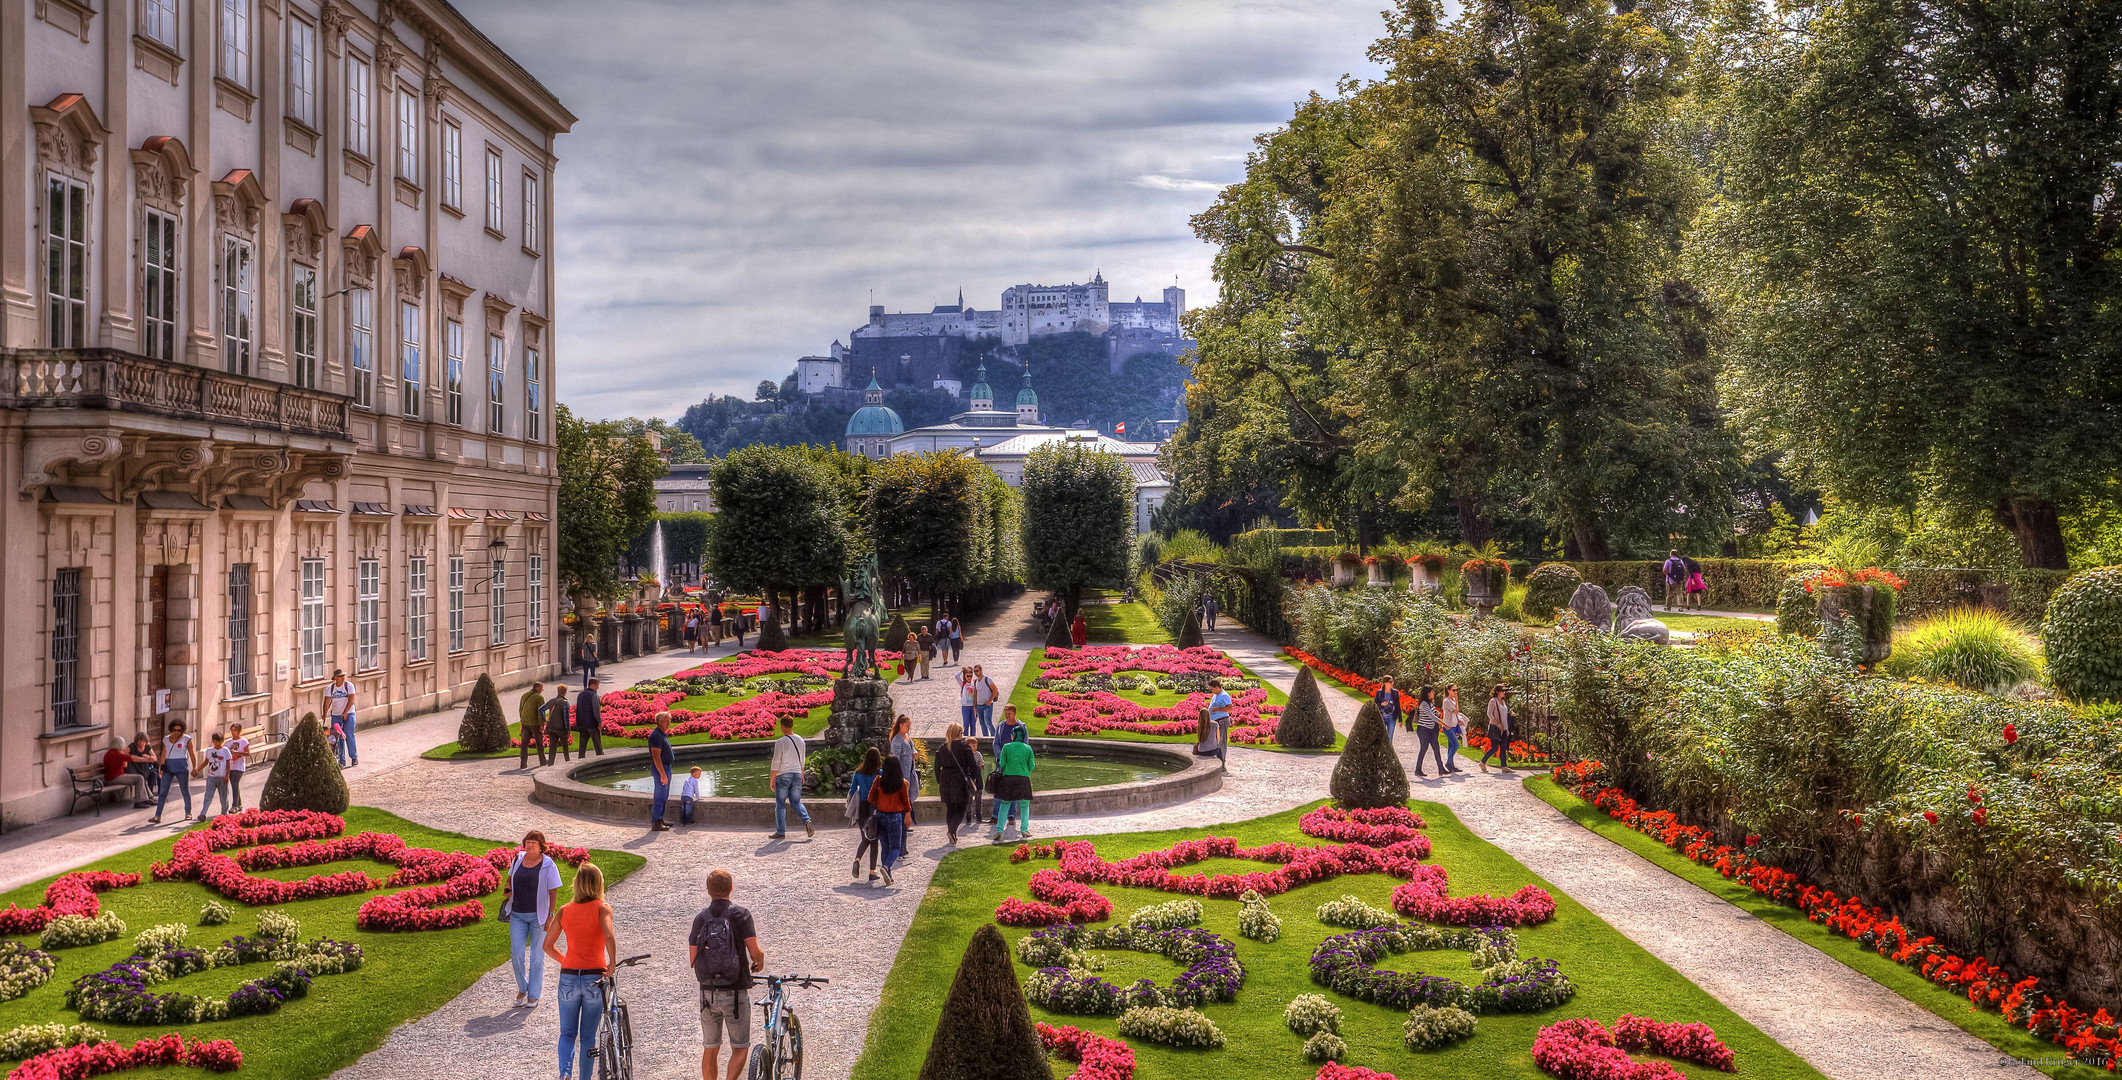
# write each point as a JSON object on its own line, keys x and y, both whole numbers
{"x": 747, "y": 172}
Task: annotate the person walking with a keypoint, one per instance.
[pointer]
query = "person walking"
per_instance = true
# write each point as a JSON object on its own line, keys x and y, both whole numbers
{"x": 722, "y": 939}
{"x": 339, "y": 698}
{"x": 530, "y": 725}
{"x": 688, "y": 795}
{"x": 1208, "y": 607}
{"x": 662, "y": 758}
{"x": 1453, "y": 723}
{"x": 1013, "y": 789}
{"x": 1388, "y": 700}
{"x": 239, "y": 763}
{"x": 902, "y": 748}
{"x": 786, "y": 775}
{"x": 589, "y": 720}
{"x": 984, "y": 695}
{"x": 216, "y": 757}
{"x": 587, "y": 656}
{"x": 1078, "y": 630}
{"x": 528, "y": 892}
{"x": 117, "y": 772}
{"x": 957, "y": 638}
{"x": 1498, "y": 729}
{"x": 957, "y": 778}
{"x": 176, "y": 756}
{"x": 558, "y": 733}
{"x": 864, "y": 814}
{"x": 968, "y": 709}
{"x": 1427, "y": 725}
{"x": 892, "y": 797}
{"x": 585, "y": 924}
{"x": 1675, "y": 580}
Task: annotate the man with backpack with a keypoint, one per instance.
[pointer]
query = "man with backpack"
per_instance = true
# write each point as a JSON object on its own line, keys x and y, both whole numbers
{"x": 723, "y": 948}
{"x": 1675, "y": 581}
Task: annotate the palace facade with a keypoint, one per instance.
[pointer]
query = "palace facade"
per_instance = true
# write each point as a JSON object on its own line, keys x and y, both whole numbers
{"x": 276, "y": 369}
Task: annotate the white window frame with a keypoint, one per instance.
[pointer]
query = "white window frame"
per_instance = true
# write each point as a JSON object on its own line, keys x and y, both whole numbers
{"x": 159, "y": 270}
{"x": 302, "y": 71}
{"x": 410, "y": 379}
{"x": 530, "y": 211}
{"x": 456, "y": 603}
{"x": 361, "y": 346}
{"x": 303, "y": 324}
{"x": 158, "y": 22}
{"x": 235, "y": 64}
{"x": 497, "y": 605}
{"x": 310, "y": 644}
{"x": 416, "y": 609}
{"x": 408, "y": 135}
{"x": 496, "y": 384}
{"x": 452, "y": 165}
{"x": 239, "y": 304}
{"x": 533, "y": 397}
{"x": 534, "y": 613}
{"x": 66, "y": 271}
{"x": 360, "y": 84}
{"x": 368, "y": 614}
{"x": 453, "y": 374}
{"x": 494, "y": 207}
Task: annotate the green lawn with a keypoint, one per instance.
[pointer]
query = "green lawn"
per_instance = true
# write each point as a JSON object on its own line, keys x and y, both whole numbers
{"x": 1613, "y": 975}
{"x": 1950, "y": 1006}
{"x": 402, "y": 977}
{"x": 1123, "y": 624}
{"x": 1025, "y": 697}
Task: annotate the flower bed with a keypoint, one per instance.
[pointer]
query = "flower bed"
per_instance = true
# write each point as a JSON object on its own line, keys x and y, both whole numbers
{"x": 98, "y": 1059}
{"x": 1096, "y": 1057}
{"x": 71, "y": 894}
{"x": 2021, "y": 1001}
{"x": 1584, "y": 1049}
{"x": 1072, "y": 710}
{"x": 1213, "y": 973}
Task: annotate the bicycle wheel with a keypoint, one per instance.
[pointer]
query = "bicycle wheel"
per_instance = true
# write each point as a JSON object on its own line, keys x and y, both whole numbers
{"x": 622, "y": 1042}
{"x": 788, "y": 1064}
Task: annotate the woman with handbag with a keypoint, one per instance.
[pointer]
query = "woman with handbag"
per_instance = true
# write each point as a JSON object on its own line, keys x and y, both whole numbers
{"x": 858, "y": 808}
{"x": 957, "y": 779}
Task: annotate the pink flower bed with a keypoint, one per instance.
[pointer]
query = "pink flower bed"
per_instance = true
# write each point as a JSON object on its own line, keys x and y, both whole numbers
{"x": 79, "y": 1062}
{"x": 1067, "y": 713}
{"x": 1377, "y": 828}
{"x": 451, "y": 880}
{"x": 1096, "y": 1057}
{"x": 1428, "y": 897}
{"x": 1583, "y": 1049}
{"x": 70, "y": 894}
{"x": 632, "y": 715}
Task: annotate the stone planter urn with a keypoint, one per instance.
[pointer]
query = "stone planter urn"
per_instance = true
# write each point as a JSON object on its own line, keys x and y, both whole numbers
{"x": 1345, "y": 567}
{"x": 1484, "y": 588}
{"x": 1858, "y": 618}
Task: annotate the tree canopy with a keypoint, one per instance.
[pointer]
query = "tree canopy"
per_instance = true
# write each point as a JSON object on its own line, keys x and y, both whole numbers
{"x": 1078, "y": 519}
{"x": 607, "y": 495}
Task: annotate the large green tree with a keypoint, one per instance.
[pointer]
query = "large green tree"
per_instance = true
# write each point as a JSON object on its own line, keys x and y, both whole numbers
{"x": 1079, "y": 511}
{"x": 1917, "y": 245}
{"x": 781, "y": 521}
{"x": 607, "y": 496}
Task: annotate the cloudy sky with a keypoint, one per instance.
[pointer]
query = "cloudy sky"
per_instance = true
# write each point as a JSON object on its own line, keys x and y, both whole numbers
{"x": 748, "y": 173}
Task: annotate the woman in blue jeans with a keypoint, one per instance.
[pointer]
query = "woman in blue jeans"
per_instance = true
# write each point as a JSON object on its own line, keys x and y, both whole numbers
{"x": 528, "y": 892}
{"x": 585, "y": 921}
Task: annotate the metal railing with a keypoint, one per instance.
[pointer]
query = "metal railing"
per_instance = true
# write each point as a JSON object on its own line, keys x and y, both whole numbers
{"x": 126, "y": 382}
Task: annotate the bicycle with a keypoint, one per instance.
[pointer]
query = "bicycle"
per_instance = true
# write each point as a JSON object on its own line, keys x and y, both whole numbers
{"x": 780, "y": 1055}
{"x": 615, "y": 1038}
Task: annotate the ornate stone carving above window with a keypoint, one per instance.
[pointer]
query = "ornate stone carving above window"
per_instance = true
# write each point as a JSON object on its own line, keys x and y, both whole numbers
{"x": 162, "y": 173}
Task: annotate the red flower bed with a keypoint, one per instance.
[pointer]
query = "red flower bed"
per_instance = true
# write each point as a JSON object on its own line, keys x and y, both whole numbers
{"x": 1428, "y": 897}
{"x": 79, "y": 1062}
{"x": 70, "y": 894}
{"x": 1073, "y": 713}
{"x": 1375, "y": 828}
{"x": 2090, "y": 1037}
{"x": 1582, "y": 1049}
{"x": 1096, "y": 1057}
{"x": 458, "y": 878}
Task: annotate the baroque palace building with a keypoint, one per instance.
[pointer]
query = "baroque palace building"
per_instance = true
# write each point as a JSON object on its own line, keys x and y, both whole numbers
{"x": 276, "y": 369}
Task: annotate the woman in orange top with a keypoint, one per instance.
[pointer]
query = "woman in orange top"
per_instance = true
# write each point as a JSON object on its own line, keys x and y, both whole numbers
{"x": 586, "y": 923}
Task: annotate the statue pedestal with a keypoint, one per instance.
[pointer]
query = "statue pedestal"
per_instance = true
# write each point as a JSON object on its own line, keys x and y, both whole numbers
{"x": 862, "y": 712}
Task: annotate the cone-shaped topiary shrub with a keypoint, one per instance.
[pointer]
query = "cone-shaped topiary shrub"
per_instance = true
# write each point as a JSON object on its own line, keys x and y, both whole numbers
{"x": 1369, "y": 775}
{"x": 986, "y": 1031}
{"x": 2082, "y": 635}
{"x": 1305, "y": 722}
{"x": 484, "y": 728}
{"x": 1057, "y": 634}
{"x": 1549, "y": 587}
{"x": 895, "y": 635}
{"x": 304, "y": 776}
{"x": 1190, "y": 634}
{"x": 771, "y": 636}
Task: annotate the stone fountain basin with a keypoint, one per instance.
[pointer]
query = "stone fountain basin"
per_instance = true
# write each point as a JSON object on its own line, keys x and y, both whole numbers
{"x": 555, "y": 786}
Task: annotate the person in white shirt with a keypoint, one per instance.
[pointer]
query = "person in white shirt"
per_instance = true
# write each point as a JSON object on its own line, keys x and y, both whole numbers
{"x": 786, "y": 774}
{"x": 239, "y": 762}
{"x": 984, "y": 695}
{"x": 217, "y": 758}
{"x": 686, "y": 795}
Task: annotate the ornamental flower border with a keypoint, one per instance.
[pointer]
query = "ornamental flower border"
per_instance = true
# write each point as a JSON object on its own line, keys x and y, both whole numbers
{"x": 1069, "y": 712}
{"x": 1584, "y": 1049}
{"x": 1213, "y": 973}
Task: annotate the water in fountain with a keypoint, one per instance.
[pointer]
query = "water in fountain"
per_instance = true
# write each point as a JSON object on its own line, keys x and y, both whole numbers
{"x": 655, "y": 558}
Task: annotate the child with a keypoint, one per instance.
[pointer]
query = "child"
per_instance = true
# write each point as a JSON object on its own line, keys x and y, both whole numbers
{"x": 217, "y": 759}
{"x": 686, "y": 795}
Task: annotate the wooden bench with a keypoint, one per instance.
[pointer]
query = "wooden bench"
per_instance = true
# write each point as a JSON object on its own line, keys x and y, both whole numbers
{"x": 88, "y": 784}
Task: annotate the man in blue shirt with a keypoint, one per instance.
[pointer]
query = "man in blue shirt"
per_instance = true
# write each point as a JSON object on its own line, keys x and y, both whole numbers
{"x": 660, "y": 759}
{"x": 1388, "y": 700}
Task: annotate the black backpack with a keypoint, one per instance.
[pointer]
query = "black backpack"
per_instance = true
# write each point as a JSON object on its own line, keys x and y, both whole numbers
{"x": 720, "y": 962}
